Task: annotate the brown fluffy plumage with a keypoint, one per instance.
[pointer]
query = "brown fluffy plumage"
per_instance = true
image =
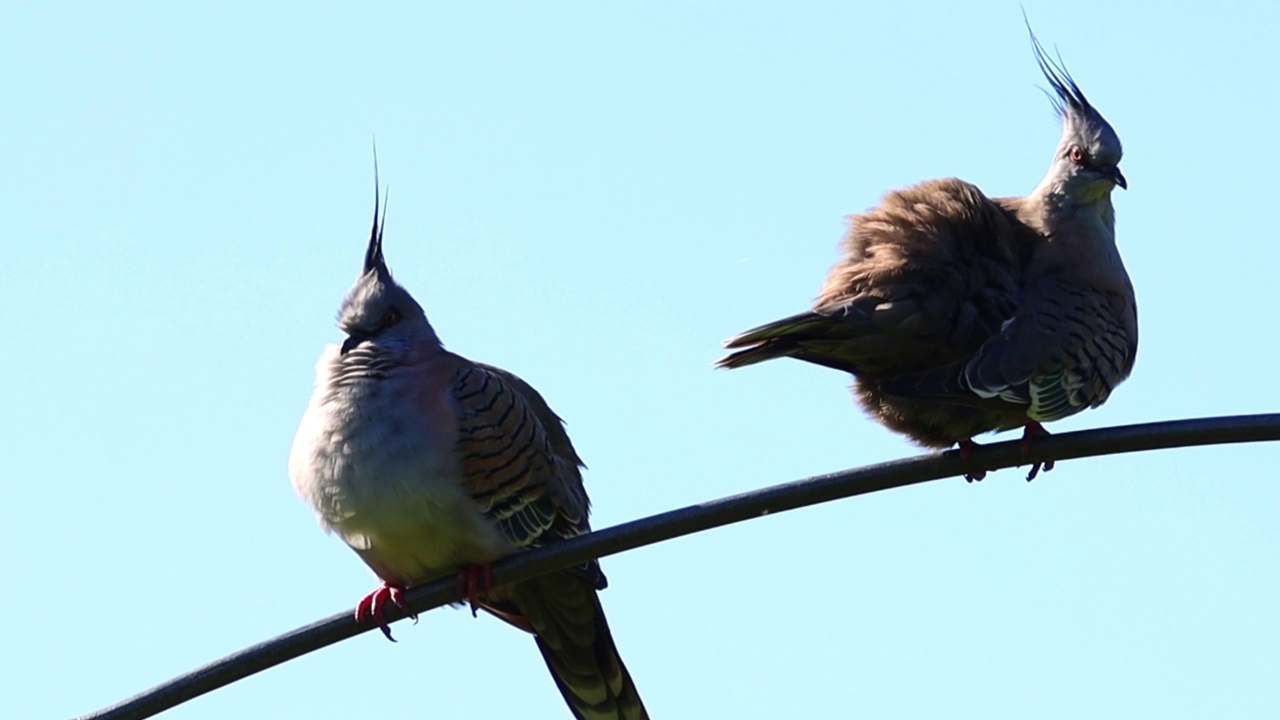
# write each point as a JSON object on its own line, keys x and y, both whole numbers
{"x": 959, "y": 314}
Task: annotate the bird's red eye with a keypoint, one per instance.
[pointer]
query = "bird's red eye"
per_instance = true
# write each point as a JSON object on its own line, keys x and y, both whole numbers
{"x": 1076, "y": 155}
{"x": 390, "y": 317}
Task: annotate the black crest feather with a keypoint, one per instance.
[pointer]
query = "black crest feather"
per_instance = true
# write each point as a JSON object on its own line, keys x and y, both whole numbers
{"x": 373, "y": 256}
{"x": 1067, "y": 95}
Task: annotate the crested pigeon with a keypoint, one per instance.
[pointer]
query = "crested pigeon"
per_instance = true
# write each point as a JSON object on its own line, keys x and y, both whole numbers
{"x": 959, "y": 314}
{"x": 428, "y": 464}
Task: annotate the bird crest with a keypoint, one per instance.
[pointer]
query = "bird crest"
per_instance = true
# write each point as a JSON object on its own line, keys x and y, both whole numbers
{"x": 1067, "y": 98}
{"x": 373, "y": 260}
{"x": 375, "y": 303}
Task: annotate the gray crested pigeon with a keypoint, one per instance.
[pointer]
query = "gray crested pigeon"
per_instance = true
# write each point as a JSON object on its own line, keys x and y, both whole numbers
{"x": 428, "y": 464}
{"x": 959, "y": 314}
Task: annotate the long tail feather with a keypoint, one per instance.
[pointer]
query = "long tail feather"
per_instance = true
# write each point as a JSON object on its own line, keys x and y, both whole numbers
{"x": 578, "y": 648}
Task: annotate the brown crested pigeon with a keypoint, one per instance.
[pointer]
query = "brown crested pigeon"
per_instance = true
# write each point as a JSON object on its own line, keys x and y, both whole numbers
{"x": 959, "y": 314}
{"x": 428, "y": 464}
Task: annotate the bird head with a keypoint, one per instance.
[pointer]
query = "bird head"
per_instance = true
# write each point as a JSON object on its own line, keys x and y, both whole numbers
{"x": 1086, "y": 163}
{"x": 378, "y": 314}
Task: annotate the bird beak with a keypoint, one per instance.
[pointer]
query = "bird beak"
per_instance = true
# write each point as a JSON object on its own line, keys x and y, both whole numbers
{"x": 1114, "y": 175}
{"x": 349, "y": 343}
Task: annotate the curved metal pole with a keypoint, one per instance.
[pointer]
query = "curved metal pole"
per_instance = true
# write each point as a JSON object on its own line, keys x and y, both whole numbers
{"x": 696, "y": 518}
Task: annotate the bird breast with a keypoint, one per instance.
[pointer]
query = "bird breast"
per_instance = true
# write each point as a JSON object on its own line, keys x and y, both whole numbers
{"x": 376, "y": 461}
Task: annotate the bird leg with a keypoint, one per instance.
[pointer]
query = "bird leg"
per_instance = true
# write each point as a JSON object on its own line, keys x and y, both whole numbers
{"x": 474, "y": 582}
{"x": 373, "y": 606}
{"x": 966, "y": 451}
{"x": 1031, "y": 431}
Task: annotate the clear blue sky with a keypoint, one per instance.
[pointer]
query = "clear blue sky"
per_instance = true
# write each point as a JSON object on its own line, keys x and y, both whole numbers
{"x": 593, "y": 197}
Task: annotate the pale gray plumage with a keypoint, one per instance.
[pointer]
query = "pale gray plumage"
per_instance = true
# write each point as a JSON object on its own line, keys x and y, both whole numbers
{"x": 960, "y": 314}
{"x": 429, "y": 465}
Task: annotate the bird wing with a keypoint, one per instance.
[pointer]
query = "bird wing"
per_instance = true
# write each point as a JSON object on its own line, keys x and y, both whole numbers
{"x": 523, "y": 473}
{"x": 1064, "y": 350}
{"x": 518, "y": 464}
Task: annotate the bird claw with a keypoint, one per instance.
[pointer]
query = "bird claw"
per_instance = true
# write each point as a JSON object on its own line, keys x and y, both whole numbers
{"x": 1035, "y": 469}
{"x": 1031, "y": 431}
{"x": 475, "y": 582}
{"x": 966, "y": 451}
{"x": 374, "y": 605}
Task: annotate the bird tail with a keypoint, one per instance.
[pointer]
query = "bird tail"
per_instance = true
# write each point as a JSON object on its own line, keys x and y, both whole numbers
{"x": 773, "y": 340}
{"x": 807, "y": 336}
{"x": 565, "y": 614}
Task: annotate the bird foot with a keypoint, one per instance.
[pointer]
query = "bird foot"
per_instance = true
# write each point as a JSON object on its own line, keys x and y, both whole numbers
{"x": 475, "y": 582}
{"x": 966, "y": 451}
{"x": 374, "y": 605}
{"x": 1031, "y": 431}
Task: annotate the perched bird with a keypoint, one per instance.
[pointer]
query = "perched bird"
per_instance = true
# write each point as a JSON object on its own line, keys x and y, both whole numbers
{"x": 428, "y": 464}
{"x": 959, "y": 314}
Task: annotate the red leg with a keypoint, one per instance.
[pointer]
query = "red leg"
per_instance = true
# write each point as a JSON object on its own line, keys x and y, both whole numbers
{"x": 475, "y": 582}
{"x": 374, "y": 605}
{"x": 1031, "y": 431}
{"x": 966, "y": 451}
